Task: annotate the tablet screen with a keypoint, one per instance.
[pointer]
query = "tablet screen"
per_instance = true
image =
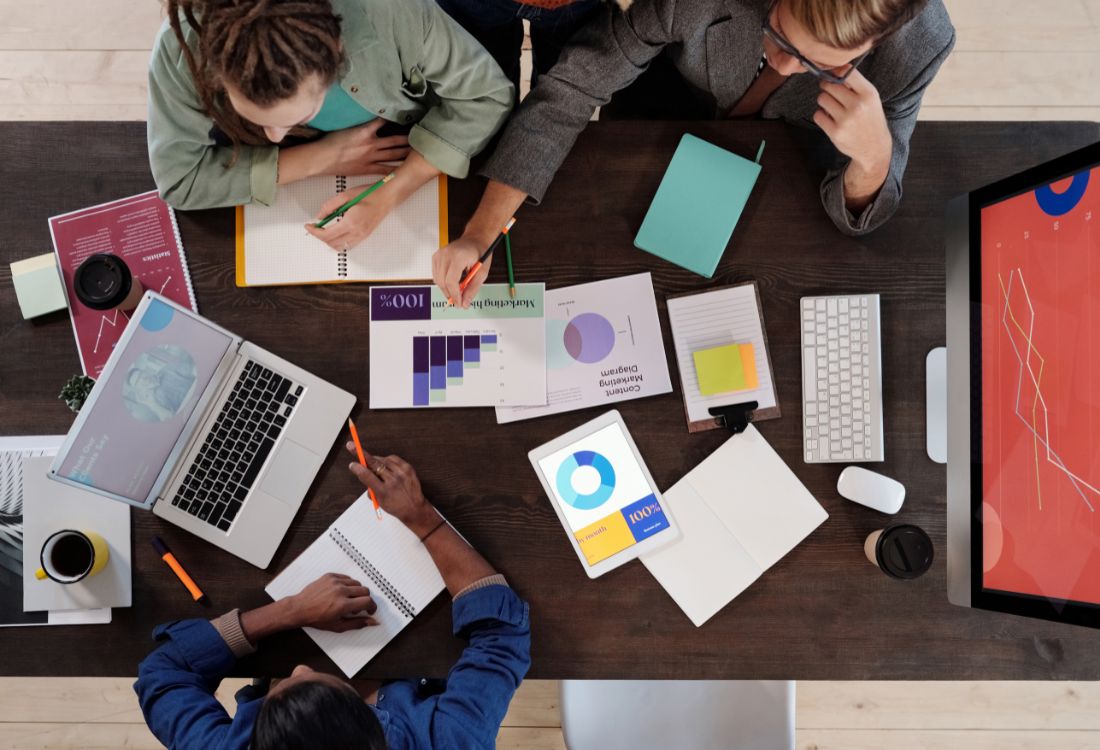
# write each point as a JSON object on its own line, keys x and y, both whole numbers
{"x": 603, "y": 493}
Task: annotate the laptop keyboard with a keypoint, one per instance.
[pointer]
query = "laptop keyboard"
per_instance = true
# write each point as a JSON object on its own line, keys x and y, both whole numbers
{"x": 237, "y": 445}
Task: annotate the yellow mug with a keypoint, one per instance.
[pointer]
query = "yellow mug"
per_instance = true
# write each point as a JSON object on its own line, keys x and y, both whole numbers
{"x": 69, "y": 556}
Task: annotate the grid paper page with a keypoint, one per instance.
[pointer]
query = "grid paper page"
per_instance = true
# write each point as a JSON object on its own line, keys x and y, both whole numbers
{"x": 724, "y": 316}
{"x": 278, "y": 250}
{"x": 386, "y": 544}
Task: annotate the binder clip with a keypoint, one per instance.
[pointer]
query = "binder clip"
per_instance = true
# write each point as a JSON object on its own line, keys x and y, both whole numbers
{"x": 735, "y": 417}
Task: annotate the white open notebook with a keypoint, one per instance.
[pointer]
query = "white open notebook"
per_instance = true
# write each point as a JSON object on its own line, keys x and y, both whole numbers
{"x": 385, "y": 557}
{"x": 739, "y": 511}
{"x": 274, "y": 248}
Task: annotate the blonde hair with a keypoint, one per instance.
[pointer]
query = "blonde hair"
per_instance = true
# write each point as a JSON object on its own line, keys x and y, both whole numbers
{"x": 848, "y": 24}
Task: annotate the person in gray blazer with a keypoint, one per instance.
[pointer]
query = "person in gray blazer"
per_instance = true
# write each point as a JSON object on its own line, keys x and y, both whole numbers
{"x": 856, "y": 69}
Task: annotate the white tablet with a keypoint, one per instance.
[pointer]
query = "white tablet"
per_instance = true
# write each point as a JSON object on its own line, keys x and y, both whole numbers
{"x": 603, "y": 494}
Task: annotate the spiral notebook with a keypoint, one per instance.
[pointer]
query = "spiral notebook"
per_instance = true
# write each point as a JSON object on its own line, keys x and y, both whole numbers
{"x": 385, "y": 557}
{"x": 273, "y": 247}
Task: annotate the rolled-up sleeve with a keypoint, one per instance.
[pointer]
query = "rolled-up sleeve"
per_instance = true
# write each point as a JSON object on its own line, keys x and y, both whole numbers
{"x": 175, "y": 689}
{"x": 474, "y": 96}
{"x": 190, "y": 170}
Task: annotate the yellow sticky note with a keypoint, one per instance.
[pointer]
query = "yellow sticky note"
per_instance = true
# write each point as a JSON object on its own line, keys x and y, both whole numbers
{"x": 725, "y": 369}
{"x": 719, "y": 369}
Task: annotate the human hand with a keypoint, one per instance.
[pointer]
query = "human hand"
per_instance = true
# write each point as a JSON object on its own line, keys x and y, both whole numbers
{"x": 357, "y": 223}
{"x": 851, "y": 115}
{"x": 359, "y": 150}
{"x": 333, "y": 602}
{"x": 397, "y": 489}
{"x": 449, "y": 266}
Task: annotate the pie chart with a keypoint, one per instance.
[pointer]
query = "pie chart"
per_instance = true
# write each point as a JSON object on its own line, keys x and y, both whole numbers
{"x": 589, "y": 338}
{"x": 584, "y": 462}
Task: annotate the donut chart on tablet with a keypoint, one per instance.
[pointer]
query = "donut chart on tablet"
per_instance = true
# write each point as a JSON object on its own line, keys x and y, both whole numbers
{"x": 575, "y": 463}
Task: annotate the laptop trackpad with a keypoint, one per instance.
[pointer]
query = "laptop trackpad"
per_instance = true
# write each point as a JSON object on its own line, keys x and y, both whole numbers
{"x": 290, "y": 473}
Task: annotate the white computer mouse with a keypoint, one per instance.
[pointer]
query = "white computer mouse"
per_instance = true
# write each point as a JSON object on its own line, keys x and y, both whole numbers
{"x": 876, "y": 491}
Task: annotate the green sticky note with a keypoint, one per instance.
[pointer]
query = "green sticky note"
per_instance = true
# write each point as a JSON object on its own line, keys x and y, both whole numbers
{"x": 720, "y": 370}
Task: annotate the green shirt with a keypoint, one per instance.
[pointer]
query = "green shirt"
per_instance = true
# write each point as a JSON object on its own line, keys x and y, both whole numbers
{"x": 407, "y": 61}
{"x": 339, "y": 111}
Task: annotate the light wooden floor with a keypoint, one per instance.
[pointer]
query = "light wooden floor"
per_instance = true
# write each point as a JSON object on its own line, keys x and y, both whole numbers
{"x": 1015, "y": 59}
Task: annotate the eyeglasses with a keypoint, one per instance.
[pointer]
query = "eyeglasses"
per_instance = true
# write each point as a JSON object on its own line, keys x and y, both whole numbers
{"x": 811, "y": 67}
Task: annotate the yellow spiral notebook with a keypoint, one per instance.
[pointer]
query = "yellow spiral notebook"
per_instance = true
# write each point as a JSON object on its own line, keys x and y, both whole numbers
{"x": 273, "y": 247}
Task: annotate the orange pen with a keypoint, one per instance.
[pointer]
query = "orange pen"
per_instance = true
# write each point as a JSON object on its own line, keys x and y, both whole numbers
{"x": 363, "y": 462}
{"x": 469, "y": 277}
{"x": 173, "y": 563}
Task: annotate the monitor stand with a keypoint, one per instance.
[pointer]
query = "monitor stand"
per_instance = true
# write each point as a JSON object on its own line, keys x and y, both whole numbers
{"x": 935, "y": 367}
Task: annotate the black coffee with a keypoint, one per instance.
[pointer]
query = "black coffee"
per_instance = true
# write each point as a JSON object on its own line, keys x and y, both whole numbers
{"x": 71, "y": 556}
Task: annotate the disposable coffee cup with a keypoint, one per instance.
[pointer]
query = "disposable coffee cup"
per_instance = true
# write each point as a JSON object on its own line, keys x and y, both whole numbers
{"x": 69, "y": 556}
{"x": 104, "y": 282}
{"x": 902, "y": 551}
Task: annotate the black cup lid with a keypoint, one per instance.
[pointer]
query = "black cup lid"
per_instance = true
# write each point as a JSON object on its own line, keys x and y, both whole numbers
{"x": 904, "y": 551}
{"x": 102, "y": 281}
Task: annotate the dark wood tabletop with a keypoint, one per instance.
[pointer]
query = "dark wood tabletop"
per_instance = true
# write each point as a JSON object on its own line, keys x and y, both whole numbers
{"x": 823, "y": 612}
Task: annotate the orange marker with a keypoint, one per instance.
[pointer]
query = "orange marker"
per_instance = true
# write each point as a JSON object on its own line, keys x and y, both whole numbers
{"x": 363, "y": 462}
{"x": 185, "y": 579}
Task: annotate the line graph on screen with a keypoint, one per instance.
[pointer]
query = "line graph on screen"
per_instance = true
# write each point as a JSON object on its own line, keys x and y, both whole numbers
{"x": 1039, "y": 422}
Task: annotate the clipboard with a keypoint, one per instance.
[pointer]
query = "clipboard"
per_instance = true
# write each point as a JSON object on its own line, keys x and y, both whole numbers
{"x": 725, "y": 315}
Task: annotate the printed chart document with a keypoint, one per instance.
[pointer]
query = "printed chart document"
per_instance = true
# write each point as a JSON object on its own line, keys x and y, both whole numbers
{"x": 13, "y": 451}
{"x": 740, "y": 511}
{"x": 142, "y": 231}
{"x": 425, "y": 352}
{"x": 730, "y": 315}
{"x": 274, "y": 248}
{"x": 384, "y": 556}
{"x": 603, "y": 345}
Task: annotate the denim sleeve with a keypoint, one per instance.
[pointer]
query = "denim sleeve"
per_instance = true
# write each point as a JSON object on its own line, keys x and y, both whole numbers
{"x": 481, "y": 685}
{"x": 176, "y": 684}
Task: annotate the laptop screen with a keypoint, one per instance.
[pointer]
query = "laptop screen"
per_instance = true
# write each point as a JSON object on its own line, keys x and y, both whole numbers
{"x": 1040, "y": 353}
{"x": 142, "y": 404}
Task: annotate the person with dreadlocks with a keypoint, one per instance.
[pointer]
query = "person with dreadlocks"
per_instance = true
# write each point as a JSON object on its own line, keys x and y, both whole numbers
{"x": 229, "y": 80}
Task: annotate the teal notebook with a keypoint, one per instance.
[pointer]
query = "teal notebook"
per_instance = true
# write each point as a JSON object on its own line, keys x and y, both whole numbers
{"x": 697, "y": 205}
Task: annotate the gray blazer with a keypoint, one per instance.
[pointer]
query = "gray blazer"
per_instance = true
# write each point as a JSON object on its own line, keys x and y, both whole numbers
{"x": 716, "y": 45}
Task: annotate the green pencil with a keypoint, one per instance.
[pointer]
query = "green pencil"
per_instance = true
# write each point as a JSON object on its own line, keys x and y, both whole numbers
{"x": 344, "y": 208}
{"x": 508, "y": 257}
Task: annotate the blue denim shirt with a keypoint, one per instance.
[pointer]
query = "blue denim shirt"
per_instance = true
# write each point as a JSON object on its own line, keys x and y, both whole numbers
{"x": 176, "y": 683}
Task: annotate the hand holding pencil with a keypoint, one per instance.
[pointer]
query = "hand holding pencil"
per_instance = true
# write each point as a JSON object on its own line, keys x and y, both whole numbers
{"x": 360, "y": 210}
{"x": 394, "y": 483}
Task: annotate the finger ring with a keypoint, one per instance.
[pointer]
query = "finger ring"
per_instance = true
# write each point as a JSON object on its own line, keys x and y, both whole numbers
{"x": 380, "y": 467}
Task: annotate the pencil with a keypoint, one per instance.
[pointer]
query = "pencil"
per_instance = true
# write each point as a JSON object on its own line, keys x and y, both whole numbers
{"x": 344, "y": 208}
{"x": 363, "y": 462}
{"x": 511, "y": 272}
{"x": 484, "y": 257}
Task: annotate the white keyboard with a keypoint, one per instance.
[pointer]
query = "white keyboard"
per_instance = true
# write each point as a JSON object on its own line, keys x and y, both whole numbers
{"x": 841, "y": 379}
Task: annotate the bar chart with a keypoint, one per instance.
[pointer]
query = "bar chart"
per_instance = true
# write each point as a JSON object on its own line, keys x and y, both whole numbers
{"x": 442, "y": 362}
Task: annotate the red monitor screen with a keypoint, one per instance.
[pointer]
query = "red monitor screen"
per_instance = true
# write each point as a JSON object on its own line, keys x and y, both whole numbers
{"x": 1040, "y": 333}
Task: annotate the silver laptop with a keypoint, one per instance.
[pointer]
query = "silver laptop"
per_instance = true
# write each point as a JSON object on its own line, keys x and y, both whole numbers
{"x": 211, "y": 432}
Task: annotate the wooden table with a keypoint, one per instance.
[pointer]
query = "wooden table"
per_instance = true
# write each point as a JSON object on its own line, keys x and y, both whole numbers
{"x": 822, "y": 613}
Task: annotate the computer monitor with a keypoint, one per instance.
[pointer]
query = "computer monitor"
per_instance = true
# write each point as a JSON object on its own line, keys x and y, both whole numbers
{"x": 1023, "y": 393}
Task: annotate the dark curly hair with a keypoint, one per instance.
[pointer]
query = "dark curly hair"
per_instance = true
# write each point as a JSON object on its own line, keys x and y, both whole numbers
{"x": 317, "y": 716}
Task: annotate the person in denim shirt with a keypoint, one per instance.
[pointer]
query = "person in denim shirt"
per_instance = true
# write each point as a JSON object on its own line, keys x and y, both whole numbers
{"x": 309, "y": 709}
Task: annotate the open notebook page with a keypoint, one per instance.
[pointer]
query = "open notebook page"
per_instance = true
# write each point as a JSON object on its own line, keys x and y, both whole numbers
{"x": 278, "y": 250}
{"x": 724, "y": 316}
{"x": 388, "y": 546}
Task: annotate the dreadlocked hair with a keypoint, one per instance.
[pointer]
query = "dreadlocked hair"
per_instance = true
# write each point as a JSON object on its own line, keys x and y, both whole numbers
{"x": 264, "y": 48}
